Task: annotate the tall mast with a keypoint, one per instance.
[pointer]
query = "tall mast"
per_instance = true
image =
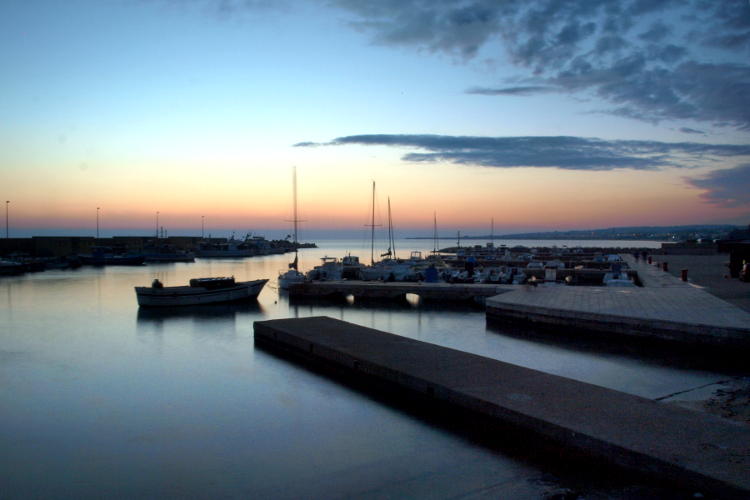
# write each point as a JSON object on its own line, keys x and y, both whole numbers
{"x": 294, "y": 198}
{"x": 434, "y": 234}
{"x": 391, "y": 237}
{"x": 295, "y": 220}
{"x": 492, "y": 231}
{"x": 372, "y": 227}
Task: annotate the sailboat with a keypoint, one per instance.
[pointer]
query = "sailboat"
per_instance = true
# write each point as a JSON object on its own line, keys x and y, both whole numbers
{"x": 389, "y": 268}
{"x": 293, "y": 275}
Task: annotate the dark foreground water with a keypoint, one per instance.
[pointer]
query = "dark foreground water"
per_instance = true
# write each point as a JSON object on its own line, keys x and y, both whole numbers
{"x": 99, "y": 399}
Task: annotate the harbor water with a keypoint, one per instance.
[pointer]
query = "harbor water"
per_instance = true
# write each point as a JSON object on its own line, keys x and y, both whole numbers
{"x": 101, "y": 399}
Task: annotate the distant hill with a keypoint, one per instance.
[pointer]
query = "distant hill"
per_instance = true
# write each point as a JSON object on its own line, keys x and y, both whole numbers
{"x": 659, "y": 233}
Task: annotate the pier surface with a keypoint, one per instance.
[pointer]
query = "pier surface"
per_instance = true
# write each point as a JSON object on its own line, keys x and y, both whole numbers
{"x": 665, "y": 308}
{"x": 394, "y": 290}
{"x": 690, "y": 449}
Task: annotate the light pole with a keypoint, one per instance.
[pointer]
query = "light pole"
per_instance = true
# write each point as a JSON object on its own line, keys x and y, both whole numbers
{"x": 203, "y": 225}
{"x": 97, "y": 222}
{"x": 157, "y": 225}
{"x": 7, "y": 231}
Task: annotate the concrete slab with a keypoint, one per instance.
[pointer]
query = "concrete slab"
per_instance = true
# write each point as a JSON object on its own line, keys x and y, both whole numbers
{"x": 665, "y": 308}
{"x": 700, "y": 451}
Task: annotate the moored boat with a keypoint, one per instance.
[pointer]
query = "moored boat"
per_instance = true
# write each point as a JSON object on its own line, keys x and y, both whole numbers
{"x": 293, "y": 275}
{"x": 10, "y": 267}
{"x": 231, "y": 248}
{"x": 199, "y": 291}
{"x": 163, "y": 252}
{"x": 107, "y": 256}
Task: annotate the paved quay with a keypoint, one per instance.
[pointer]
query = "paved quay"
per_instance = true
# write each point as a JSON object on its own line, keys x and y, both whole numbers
{"x": 397, "y": 290}
{"x": 665, "y": 308}
{"x": 686, "y": 449}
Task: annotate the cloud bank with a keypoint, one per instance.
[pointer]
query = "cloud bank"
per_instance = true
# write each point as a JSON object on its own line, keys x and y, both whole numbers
{"x": 650, "y": 60}
{"x": 725, "y": 188}
{"x": 569, "y": 153}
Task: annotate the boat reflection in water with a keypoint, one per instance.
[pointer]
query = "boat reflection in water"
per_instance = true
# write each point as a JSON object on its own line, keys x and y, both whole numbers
{"x": 225, "y": 310}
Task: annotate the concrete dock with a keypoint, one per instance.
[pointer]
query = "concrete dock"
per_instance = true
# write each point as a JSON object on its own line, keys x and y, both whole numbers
{"x": 665, "y": 308}
{"x": 687, "y": 449}
{"x": 397, "y": 290}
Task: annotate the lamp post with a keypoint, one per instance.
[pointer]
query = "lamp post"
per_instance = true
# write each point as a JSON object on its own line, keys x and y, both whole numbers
{"x": 203, "y": 225}
{"x": 97, "y": 222}
{"x": 7, "y": 231}
{"x": 157, "y": 225}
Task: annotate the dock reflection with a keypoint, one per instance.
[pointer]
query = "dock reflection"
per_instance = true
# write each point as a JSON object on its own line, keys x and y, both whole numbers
{"x": 648, "y": 351}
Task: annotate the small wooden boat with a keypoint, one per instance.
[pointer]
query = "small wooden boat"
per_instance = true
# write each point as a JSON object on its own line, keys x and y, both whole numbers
{"x": 200, "y": 291}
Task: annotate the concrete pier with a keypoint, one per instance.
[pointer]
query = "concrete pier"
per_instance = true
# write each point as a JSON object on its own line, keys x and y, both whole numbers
{"x": 665, "y": 308}
{"x": 687, "y": 449}
{"x": 397, "y": 290}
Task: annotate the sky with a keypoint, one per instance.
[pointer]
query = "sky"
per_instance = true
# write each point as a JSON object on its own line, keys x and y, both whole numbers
{"x": 541, "y": 115}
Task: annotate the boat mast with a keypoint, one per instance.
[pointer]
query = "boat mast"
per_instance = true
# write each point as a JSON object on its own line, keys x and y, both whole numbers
{"x": 295, "y": 220}
{"x": 391, "y": 238}
{"x": 435, "y": 243}
{"x": 372, "y": 227}
{"x": 294, "y": 205}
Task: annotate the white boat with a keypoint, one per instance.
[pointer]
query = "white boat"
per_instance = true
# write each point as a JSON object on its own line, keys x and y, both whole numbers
{"x": 330, "y": 270}
{"x": 200, "y": 291}
{"x": 293, "y": 275}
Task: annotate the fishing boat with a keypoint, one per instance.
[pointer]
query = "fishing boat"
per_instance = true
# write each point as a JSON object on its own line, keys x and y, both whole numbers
{"x": 292, "y": 275}
{"x": 199, "y": 291}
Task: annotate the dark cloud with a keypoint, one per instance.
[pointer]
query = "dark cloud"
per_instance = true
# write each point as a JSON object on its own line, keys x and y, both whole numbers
{"x": 725, "y": 188}
{"x": 687, "y": 130}
{"x": 645, "y": 57}
{"x": 570, "y": 153}
{"x": 656, "y": 33}
{"x": 527, "y": 90}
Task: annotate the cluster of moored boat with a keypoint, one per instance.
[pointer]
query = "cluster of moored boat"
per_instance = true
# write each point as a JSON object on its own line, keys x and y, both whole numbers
{"x": 472, "y": 267}
{"x": 154, "y": 251}
{"x": 476, "y": 265}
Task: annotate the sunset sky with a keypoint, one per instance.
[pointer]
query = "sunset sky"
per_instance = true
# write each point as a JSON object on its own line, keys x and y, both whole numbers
{"x": 541, "y": 115}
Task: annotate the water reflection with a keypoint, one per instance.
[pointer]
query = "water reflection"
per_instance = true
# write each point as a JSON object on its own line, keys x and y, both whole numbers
{"x": 202, "y": 311}
{"x": 646, "y": 351}
{"x": 132, "y": 402}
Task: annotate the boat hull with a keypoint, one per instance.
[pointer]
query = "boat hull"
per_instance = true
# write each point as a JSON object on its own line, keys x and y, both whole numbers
{"x": 190, "y": 296}
{"x": 290, "y": 278}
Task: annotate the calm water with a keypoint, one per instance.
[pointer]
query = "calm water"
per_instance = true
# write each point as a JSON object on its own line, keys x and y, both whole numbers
{"x": 98, "y": 398}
